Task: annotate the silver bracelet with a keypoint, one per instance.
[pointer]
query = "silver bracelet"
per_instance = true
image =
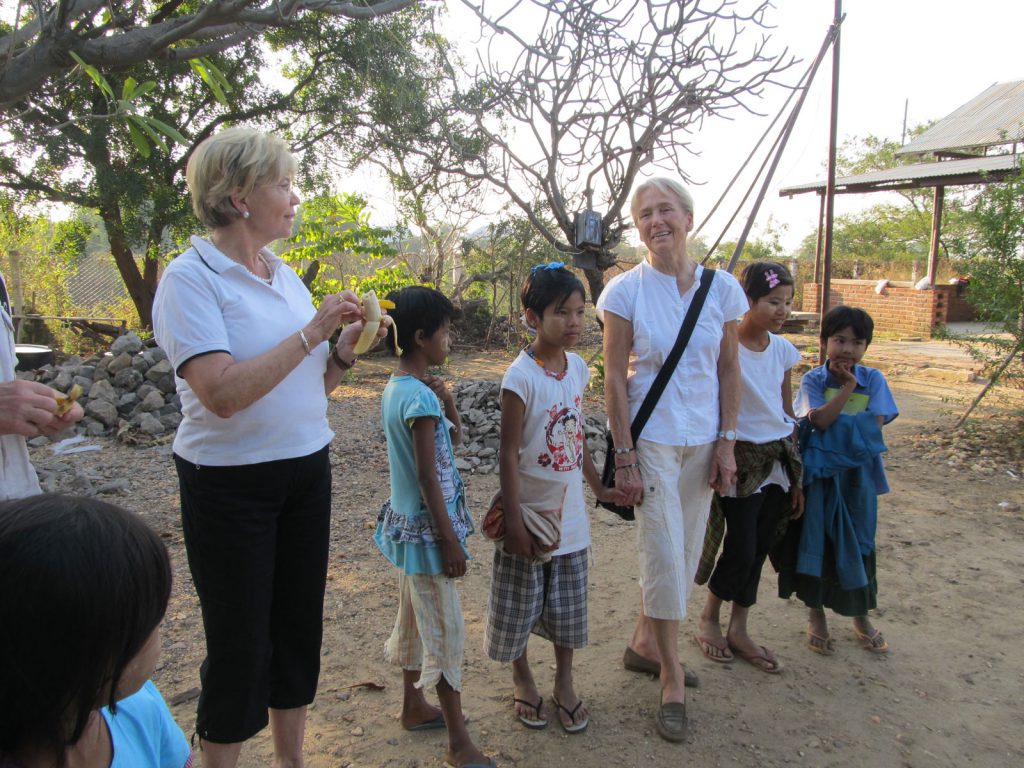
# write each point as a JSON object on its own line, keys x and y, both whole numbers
{"x": 305, "y": 342}
{"x": 621, "y": 451}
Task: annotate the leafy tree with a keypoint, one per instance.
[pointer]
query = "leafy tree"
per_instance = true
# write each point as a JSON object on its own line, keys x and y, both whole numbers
{"x": 993, "y": 253}
{"x": 333, "y": 230}
{"x": 570, "y": 101}
{"x": 41, "y": 41}
{"x": 70, "y": 146}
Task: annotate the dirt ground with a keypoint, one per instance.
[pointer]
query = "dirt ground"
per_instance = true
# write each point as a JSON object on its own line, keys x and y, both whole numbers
{"x": 951, "y": 575}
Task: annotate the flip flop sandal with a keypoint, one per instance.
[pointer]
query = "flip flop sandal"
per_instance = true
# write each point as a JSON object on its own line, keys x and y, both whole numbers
{"x": 671, "y": 722}
{"x": 433, "y": 725}
{"x": 575, "y": 727}
{"x": 634, "y": 662}
{"x": 873, "y": 642}
{"x": 701, "y": 643}
{"x": 761, "y": 659}
{"x": 826, "y": 646}
{"x": 535, "y": 723}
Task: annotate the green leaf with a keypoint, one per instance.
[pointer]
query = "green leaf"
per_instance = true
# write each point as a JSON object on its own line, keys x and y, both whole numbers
{"x": 205, "y": 69}
{"x": 167, "y": 130}
{"x": 128, "y": 89}
{"x": 138, "y": 138}
{"x": 92, "y": 72}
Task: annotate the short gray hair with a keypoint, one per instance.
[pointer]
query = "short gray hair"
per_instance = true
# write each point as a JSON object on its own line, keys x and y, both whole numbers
{"x": 665, "y": 186}
{"x": 233, "y": 162}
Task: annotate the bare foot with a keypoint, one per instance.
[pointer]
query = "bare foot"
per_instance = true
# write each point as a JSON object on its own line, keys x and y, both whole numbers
{"x": 469, "y": 755}
{"x": 416, "y": 715}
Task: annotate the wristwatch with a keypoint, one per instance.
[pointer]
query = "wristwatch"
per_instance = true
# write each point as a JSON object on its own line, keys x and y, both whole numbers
{"x": 728, "y": 434}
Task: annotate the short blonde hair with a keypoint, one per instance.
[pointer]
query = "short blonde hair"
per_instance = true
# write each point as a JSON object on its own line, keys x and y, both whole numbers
{"x": 233, "y": 162}
{"x": 665, "y": 186}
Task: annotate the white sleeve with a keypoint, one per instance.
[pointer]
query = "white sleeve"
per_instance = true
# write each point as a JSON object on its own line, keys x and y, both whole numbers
{"x": 187, "y": 318}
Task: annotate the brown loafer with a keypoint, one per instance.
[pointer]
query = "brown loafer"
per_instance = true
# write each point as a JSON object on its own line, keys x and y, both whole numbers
{"x": 671, "y": 722}
{"x": 634, "y": 662}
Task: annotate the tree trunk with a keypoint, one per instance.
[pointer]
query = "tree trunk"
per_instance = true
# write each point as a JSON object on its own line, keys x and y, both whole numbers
{"x": 141, "y": 288}
{"x": 595, "y": 281}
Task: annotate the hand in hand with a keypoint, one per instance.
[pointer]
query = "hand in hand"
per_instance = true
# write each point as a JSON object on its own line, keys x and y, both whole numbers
{"x": 610, "y": 495}
{"x": 797, "y": 494}
{"x": 630, "y": 485}
{"x": 723, "y": 466}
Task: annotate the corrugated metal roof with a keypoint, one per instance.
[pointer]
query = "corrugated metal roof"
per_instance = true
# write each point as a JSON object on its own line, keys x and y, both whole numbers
{"x": 952, "y": 171}
{"x": 993, "y": 117}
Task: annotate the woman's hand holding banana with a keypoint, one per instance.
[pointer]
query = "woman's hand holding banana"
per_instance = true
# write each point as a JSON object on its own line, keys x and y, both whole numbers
{"x": 334, "y": 310}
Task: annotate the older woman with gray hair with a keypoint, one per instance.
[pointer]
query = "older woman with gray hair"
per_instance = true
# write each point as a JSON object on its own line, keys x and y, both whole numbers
{"x": 685, "y": 451}
{"x": 253, "y": 368}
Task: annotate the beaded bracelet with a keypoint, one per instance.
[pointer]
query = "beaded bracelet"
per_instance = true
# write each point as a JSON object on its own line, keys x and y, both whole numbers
{"x": 627, "y": 466}
{"x": 621, "y": 451}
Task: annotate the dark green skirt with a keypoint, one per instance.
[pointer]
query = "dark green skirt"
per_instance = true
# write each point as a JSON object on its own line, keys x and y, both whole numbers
{"x": 823, "y": 592}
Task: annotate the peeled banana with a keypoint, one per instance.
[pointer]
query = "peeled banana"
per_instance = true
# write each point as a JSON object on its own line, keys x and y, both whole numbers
{"x": 64, "y": 402}
{"x": 372, "y": 307}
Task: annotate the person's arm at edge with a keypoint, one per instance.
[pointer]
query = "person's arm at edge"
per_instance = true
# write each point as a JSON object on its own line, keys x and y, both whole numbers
{"x": 723, "y": 462}
{"x": 618, "y": 342}
{"x": 517, "y": 539}
{"x": 452, "y": 556}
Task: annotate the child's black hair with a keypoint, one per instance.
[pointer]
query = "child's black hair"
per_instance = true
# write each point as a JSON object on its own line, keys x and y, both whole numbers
{"x": 854, "y": 318}
{"x": 417, "y": 308}
{"x": 546, "y": 285}
{"x": 83, "y": 584}
{"x": 761, "y": 277}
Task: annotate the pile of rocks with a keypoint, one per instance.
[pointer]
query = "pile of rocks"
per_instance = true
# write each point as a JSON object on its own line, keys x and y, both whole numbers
{"x": 480, "y": 409}
{"x": 130, "y": 387}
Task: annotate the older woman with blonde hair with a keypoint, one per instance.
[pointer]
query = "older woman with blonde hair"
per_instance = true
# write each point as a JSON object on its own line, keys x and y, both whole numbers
{"x": 253, "y": 368}
{"x": 685, "y": 451}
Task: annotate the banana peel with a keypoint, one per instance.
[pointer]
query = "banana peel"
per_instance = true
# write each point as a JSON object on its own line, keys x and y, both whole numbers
{"x": 372, "y": 307}
{"x": 65, "y": 402}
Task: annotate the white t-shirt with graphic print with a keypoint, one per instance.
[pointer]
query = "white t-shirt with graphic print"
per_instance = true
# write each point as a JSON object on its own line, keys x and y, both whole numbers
{"x": 551, "y": 449}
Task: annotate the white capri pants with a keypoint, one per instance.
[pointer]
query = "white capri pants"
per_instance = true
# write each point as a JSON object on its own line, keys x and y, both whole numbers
{"x": 671, "y": 522}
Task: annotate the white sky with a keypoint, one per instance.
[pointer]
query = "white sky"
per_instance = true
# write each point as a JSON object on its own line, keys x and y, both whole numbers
{"x": 938, "y": 54}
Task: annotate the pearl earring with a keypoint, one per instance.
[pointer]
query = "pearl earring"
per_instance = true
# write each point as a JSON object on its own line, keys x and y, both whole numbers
{"x": 245, "y": 214}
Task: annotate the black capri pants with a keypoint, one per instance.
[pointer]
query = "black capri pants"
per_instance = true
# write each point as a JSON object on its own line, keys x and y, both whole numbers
{"x": 257, "y": 539}
{"x": 750, "y": 524}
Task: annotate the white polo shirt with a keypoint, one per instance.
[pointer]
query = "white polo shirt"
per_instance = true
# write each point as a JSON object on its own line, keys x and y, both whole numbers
{"x": 206, "y": 302}
{"x": 688, "y": 411}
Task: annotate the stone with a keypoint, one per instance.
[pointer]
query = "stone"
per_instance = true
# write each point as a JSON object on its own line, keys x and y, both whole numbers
{"x": 166, "y": 382}
{"x": 102, "y": 390}
{"x": 159, "y": 369}
{"x": 129, "y": 343}
{"x": 119, "y": 363}
{"x": 84, "y": 382}
{"x": 152, "y": 402}
{"x": 151, "y": 425}
{"x": 103, "y": 411}
{"x": 62, "y": 381}
{"x": 128, "y": 378}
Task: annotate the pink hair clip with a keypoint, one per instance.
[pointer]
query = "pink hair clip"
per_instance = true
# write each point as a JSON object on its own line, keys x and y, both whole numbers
{"x": 771, "y": 278}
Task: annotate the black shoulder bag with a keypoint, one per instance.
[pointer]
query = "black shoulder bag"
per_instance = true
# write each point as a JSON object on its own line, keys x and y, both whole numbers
{"x": 654, "y": 394}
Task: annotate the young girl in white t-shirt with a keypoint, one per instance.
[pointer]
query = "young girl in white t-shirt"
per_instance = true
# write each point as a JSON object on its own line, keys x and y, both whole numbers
{"x": 543, "y": 463}
{"x": 768, "y": 468}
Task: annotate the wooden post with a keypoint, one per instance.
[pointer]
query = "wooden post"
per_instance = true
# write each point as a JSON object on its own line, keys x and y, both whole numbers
{"x": 821, "y": 234}
{"x": 933, "y": 253}
{"x": 830, "y": 188}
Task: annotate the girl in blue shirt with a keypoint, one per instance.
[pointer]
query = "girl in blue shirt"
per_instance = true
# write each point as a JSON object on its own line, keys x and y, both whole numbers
{"x": 841, "y": 389}
{"x": 422, "y": 528}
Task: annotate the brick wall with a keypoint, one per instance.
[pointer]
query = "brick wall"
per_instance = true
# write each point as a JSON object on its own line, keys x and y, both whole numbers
{"x": 900, "y": 308}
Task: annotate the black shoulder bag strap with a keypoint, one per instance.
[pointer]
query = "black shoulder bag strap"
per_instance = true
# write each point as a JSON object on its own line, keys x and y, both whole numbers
{"x": 669, "y": 366}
